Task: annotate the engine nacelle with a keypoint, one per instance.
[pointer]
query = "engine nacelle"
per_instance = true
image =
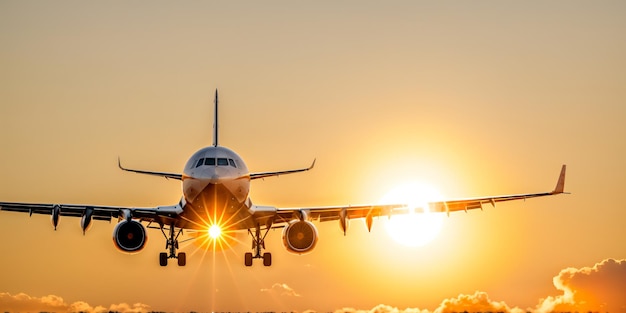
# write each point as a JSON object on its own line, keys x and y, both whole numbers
{"x": 300, "y": 236}
{"x": 129, "y": 236}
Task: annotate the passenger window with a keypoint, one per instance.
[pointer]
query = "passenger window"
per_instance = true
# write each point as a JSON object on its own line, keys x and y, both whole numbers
{"x": 199, "y": 162}
{"x": 209, "y": 161}
{"x": 222, "y": 162}
{"x": 232, "y": 162}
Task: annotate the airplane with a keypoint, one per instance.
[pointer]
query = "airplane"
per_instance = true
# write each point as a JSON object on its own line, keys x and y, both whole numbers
{"x": 216, "y": 186}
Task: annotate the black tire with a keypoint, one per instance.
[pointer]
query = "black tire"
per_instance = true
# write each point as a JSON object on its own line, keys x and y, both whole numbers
{"x": 182, "y": 259}
{"x": 248, "y": 259}
{"x": 163, "y": 259}
{"x": 267, "y": 259}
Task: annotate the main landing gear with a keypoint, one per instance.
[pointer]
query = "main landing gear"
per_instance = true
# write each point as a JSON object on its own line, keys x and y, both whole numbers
{"x": 172, "y": 245}
{"x": 258, "y": 243}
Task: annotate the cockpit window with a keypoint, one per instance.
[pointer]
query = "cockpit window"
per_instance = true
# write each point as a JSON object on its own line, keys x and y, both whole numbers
{"x": 214, "y": 162}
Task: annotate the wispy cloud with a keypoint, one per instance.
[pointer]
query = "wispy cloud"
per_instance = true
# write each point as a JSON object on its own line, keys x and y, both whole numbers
{"x": 22, "y": 302}
{"x": 282, "y": 289}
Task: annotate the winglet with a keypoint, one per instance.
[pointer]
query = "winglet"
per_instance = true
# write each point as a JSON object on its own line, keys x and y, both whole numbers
{"x": 119, "y": 164}
{"x": 560, "y": 185}
{"x": 312, "y": 164}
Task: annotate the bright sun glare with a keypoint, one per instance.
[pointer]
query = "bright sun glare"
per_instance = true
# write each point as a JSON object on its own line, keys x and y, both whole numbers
{"x": 215, "y": 231}
{"x": 416, "y": 228}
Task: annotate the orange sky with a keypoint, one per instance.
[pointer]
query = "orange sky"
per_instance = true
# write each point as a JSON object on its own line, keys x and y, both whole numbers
{"x": 474, "y": 98}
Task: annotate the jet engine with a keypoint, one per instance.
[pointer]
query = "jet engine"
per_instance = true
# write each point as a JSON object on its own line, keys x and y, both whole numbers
{"x": 300, "y": 236}
{"x": 129, "y": 236}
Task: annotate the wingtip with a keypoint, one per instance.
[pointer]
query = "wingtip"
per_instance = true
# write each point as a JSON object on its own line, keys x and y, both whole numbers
{"x": 119, "y": 163}
{"x": 560, "y": 184}
{"x": 313, "y": 164}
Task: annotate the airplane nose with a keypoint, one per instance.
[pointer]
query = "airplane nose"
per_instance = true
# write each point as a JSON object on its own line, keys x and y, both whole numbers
{"x": 214, "y": 179}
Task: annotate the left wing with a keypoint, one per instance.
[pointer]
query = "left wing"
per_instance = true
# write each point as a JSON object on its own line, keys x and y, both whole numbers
{"x": 477, "y": 203}
{"x": 278, "y": 173}
{"x": 343, "y": 213}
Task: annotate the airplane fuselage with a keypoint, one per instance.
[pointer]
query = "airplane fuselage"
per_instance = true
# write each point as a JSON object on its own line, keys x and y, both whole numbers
{"x": 216, "y": 185}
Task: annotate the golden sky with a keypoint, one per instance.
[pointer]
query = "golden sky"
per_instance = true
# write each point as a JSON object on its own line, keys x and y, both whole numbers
{"x": 473, "y": 98}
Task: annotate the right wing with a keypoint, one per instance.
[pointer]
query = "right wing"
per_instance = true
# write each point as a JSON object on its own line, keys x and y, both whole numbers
{"x": 162, "y": 174}
{"x": 96, "y": 212}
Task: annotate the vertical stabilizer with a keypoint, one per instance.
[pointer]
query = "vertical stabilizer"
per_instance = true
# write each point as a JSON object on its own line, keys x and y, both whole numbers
{"x": 215, "y": 128}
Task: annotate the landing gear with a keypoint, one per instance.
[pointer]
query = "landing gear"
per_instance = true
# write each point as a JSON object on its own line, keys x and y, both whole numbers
{"x": 172, "y": 245}
{"x": 258, "y": 243}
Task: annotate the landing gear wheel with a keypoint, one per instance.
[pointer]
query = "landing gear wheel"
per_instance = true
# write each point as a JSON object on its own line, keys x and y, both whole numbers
{"x": 248, "y": 259}
{"x": 267, "y": 259}
{"x": 171, "y": 244}
{"x": 163, "y": 259}
{"x": 258, "y": 244}
{"x": 182, "y": 259}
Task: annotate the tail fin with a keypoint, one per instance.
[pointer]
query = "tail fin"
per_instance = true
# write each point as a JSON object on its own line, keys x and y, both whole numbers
{"x": 560, "y": 185}
{"x": 215, "y": 128}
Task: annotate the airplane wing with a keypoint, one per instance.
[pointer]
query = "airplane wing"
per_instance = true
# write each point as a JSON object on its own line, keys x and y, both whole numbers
{"x": 278, "y": 173}
{"x": 162, "y": 174}
{"x": 368, "y": 211}
{"x": 96, "y": 212}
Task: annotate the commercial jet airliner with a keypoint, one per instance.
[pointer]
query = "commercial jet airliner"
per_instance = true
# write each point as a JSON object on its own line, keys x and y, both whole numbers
{"x": 216, "y": 187}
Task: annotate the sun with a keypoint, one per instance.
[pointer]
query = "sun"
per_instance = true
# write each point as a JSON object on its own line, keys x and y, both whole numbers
{"x": 215, "y": 231}
{"x": 420, "y": 226}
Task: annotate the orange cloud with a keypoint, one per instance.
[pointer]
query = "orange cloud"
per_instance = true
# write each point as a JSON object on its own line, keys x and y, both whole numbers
{"x": 478, "y": 302}
{"x": 381, "y": 308}
{"x": 601, "y": 288}
{"x": 598, "y": 288}
{"x": 282, "y": 289}
{"x": 22, "y": 302}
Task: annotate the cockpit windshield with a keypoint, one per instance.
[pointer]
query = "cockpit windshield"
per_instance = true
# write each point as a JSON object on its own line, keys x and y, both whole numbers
{"x": 216, "y": 162}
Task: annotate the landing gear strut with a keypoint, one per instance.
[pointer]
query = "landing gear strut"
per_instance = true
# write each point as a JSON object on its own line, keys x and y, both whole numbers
{"x": 172, "y": 245}
{"x": 258, "y": 243}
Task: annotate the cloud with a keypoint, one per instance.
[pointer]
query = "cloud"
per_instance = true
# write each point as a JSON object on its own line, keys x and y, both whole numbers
{"x": 381, "y": 308}
{"x": 22, "y": 302}
{"x": 478, "y": 302}
{"x": 589, "y": 289}
{"x": 597, "y": 288}
{"x": 282, "y": 289}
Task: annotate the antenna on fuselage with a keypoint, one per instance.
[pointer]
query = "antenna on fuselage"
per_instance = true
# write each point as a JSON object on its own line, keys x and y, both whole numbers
{"x": 215, "y": 128}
